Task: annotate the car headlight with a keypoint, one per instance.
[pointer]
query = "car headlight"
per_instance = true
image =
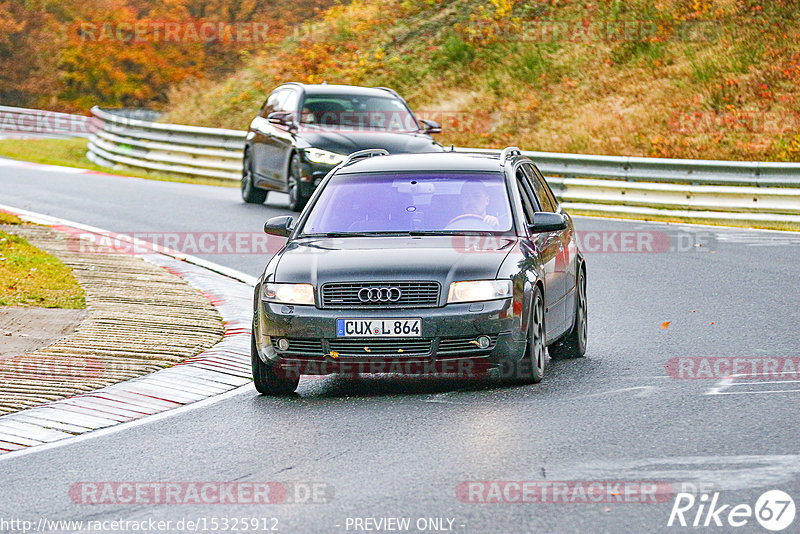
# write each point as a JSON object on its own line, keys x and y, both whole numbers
{"x": 323, "y": 156}
{"x": 288, "y": 293}
{"x": 478, "y": 290}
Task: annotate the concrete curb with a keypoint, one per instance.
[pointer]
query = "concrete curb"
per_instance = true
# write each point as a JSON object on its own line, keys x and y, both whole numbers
{"x": 139, "y": 318}
{"x": 219, "y": 369}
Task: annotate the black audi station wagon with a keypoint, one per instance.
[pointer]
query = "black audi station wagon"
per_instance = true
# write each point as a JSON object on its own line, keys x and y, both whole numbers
{"x": 303, "y": 131}
{"x": 401, "y": 263}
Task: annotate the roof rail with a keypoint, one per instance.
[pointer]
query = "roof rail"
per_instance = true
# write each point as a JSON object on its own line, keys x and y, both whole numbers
{"x": 389, "y": 89}
{"x": 507, "y": 153}
{"x": 362, "y": 154}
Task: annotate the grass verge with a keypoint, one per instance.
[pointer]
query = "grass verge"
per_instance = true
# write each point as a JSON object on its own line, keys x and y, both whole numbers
{"x": 9, "y": 218}
{"x": 31, "y": 277}
{"x": 72, "y": 153}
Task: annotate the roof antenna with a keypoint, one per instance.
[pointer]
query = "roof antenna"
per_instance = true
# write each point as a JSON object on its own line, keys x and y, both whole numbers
{"x": 452, "y": 148}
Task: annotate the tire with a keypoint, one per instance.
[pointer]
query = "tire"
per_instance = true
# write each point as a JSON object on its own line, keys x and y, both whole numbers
{"x": 530, "y": 369}
{"x": 266, "y": 380}
{"x": 250, "y": 193}
{"x": 574, "y": 344}
{"x": 297, "y": 199}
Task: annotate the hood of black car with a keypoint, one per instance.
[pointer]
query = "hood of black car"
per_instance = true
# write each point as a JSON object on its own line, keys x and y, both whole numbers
{"x": 347, "y": 142}
{"x": 443, "y": 259}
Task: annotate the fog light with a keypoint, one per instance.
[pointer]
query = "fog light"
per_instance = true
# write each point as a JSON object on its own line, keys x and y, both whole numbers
{"x": 484, "y": 342}
{"x": 283, "y": 343}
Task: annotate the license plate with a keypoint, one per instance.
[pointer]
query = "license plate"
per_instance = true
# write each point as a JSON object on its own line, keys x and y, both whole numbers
{"x": 378, "y": 327}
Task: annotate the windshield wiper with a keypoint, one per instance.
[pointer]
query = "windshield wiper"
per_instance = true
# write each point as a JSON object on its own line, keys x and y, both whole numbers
{"x": 429, "y": 232}
{"x": 451, "y": 232}
{"x": 341, "y": 234}
{"x": 393, "y": 233}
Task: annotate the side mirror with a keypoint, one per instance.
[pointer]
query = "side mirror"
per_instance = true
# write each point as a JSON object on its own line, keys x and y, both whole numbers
{"x": 279, "y": 226}
{"x": 283, "y": 118}
{"x": 431, "y": 127}
{"x": 545, "y": 221}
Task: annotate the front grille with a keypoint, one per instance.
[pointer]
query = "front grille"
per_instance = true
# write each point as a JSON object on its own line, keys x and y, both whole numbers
{"x": 463, "y": 345}
{"x": 381, "y": 347}
{"x": 300, "y": 346}
{"x": 413, "y": 295}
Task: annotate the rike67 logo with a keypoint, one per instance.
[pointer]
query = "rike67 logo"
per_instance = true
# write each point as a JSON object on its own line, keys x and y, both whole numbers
{"x": 774, "y": 510}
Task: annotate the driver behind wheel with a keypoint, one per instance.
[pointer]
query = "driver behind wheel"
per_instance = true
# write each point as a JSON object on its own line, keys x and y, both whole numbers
{"x": 474, "y": 201}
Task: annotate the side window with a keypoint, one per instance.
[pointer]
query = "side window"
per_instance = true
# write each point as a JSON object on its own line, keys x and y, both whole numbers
{"x": 543, "y": 183}
{"x": 540, "y": 190}
{"x": 528, "y": 205}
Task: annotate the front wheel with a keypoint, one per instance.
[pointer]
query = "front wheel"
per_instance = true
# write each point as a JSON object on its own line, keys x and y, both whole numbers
{"x": 297, "y": 198}
{"x": 574, "y": 344}
{"x": 267, "y": 379}
{"x": 530, "y": 369}
{"x": 250, "y": 193}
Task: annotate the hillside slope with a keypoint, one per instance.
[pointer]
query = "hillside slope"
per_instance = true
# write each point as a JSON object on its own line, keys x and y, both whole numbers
{"x": 711, "y": 79}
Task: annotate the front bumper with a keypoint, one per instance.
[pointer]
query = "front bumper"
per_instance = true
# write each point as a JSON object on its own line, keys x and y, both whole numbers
{"x": 447, "y": 341}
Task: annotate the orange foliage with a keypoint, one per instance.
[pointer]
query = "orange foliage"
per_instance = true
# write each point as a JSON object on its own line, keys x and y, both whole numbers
{"x": 72, "y": 54}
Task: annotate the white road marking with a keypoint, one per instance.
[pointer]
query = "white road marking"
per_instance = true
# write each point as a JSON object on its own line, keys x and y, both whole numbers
{"x": 723, "y": 472}
{"x": 724, "y": 384}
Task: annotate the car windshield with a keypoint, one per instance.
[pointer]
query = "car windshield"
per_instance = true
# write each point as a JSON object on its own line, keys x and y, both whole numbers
{"x": 360, "y": 112}
{"x": 410, "y": 203}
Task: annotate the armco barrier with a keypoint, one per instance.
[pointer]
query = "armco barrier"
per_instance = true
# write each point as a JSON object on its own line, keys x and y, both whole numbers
{"x": 191, "y": 150}
{"x": 23, "y": 122}
{"x": 737, "y": 190}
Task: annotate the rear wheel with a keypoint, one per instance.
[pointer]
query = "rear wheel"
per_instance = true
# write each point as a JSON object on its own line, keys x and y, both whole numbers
{"x": 297, "y": 198}
{"x": 574, "y": 344}
{"x": 267, "y": 379}
{"x": 250, "y": 193}
{"x": 530, "y": 369}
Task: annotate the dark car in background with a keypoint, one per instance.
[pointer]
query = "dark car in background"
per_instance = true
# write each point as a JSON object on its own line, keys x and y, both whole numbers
{"x": 429, "y": 260}
{"x": 303, "y": 131}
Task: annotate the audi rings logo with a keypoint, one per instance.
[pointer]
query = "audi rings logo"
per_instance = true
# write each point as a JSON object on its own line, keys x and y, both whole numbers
{"x": 379, "y": 294}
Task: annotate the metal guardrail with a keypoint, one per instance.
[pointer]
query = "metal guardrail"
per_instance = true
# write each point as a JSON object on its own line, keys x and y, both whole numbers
{"x": 192, "y": 150}
{"x": 23, "y": 122}
{"x": 704, "y": 189}
{"x": 676, "y": 171}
